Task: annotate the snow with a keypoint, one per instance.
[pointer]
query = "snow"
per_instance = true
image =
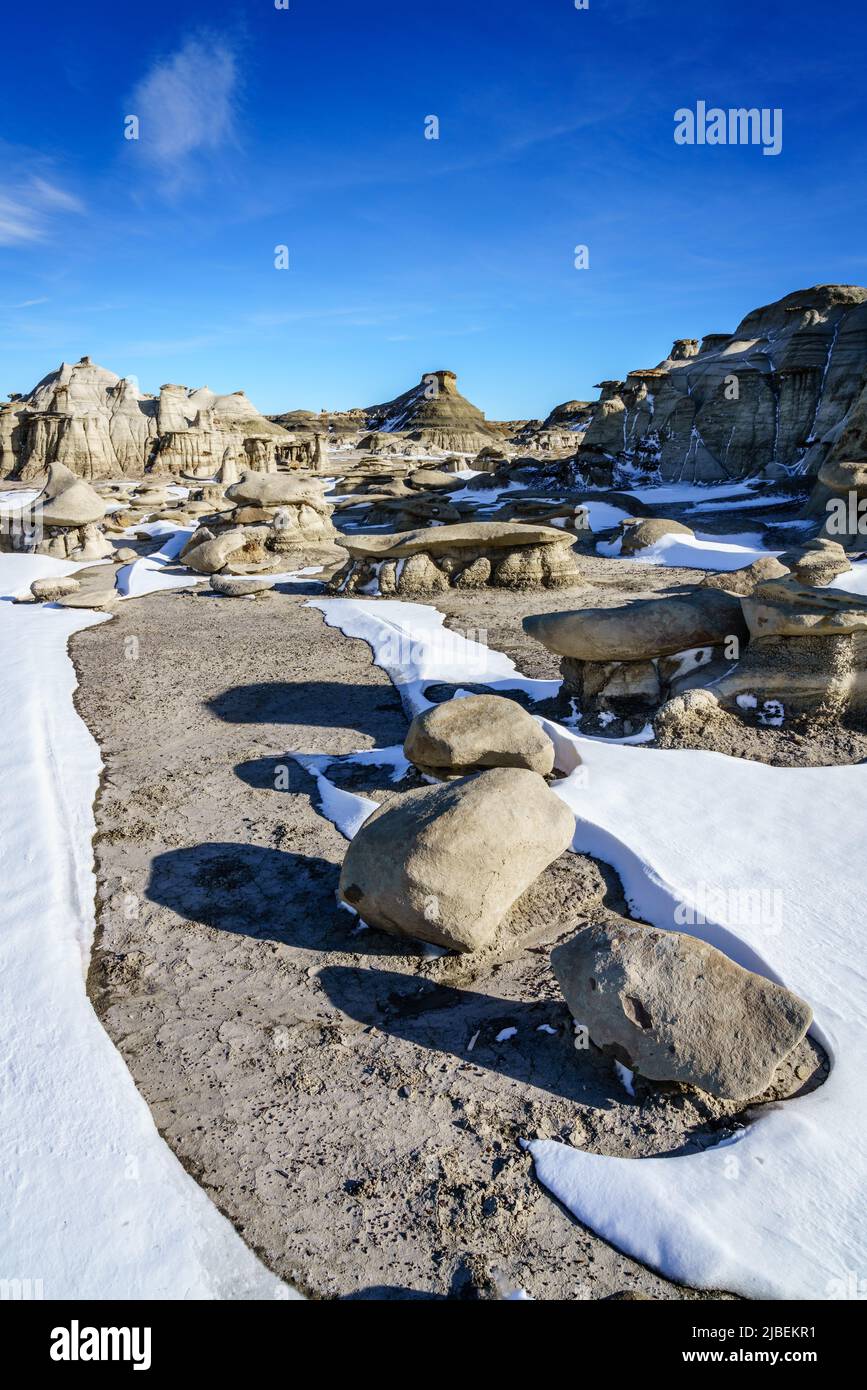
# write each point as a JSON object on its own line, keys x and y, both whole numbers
{"x": 696, "y": 552}
{"x": 346, "y": 810}
{"x": 411, "y": 643}
{"x": 854, "y": 581}
{"x": 93, "y": 1203}
{"x": 779, "y": 1210}
{"x": 602, "y": 516}
{"x": 505, "y": 1034}
{"x": 627, "y": 1078}
{"x": 152, "y": 572}
{"x": 665, "y": 493}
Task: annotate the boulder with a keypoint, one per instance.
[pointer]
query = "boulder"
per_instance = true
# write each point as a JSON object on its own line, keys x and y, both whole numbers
{"x": 212, "y": 552}
{"x": 50, "y": 590}
{"x": 239, "y": 586}
{"x": 476, "y": 731}
{"x": 745, "y": 580}
{"x": 445, "y": 864}
{"x": 100, "y": 599}
{"x": 641, "y": 629}
{"x": 640, "y": 533}
{"x": 673, "y": 1008}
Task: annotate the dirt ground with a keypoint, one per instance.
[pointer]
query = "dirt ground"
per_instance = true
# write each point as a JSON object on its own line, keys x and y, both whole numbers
{"x": 342, "y": 1096}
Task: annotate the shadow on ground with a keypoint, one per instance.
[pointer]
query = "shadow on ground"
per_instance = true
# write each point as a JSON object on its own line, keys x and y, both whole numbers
{"x": 374, "y": 710}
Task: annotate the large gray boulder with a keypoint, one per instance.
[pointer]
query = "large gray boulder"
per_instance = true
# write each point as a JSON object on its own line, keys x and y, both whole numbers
{"x": 444, "y": 864}
{"x": 673, "y": 1008}
{"x": 477, "y": 731}
{"x": 641, "y": 629}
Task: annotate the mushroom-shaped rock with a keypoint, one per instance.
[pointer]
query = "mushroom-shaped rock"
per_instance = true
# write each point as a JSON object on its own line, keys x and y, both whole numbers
{"x": 275, "y": 490}
{"x": 437, "y": 478}
{"x": 469, "y": 535}
{"x": 477, "y": 731}
{"x": 641, "y": 629}
{"x": 674, "y": 1008}
{"x": 817, "y": 562}
{"x": 444, "y": 864}
{"x": 67, "y": 500}
{"x": 843, "y": 476}
{"x": 465, "y": 555}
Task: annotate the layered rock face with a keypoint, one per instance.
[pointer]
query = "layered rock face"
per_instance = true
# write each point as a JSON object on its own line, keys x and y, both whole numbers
{"x": 781, "y": 392}
{"x": 100, "y": 426}
{"x": 434, "y": 414}
{"x": 559, "y": 433}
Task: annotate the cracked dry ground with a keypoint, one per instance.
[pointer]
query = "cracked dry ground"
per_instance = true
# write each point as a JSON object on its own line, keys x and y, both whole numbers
{"x": 319, "y": 1081}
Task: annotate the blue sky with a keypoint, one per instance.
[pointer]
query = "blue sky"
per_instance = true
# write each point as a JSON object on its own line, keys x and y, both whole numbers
{"x": 304, "y": 127}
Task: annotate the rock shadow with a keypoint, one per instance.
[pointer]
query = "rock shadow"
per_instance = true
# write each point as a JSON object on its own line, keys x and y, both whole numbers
{"x": 447, "y": 1020}
{"x": 374, "y": 710}
{"x": 270, "y": 894}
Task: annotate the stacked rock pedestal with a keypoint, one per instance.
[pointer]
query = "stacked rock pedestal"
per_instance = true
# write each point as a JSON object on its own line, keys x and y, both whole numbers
{"x": 274, "y": 520}
{"x": 65, "y": 521}
{"x": 807, "y": 653}
{"x": 471, "y": 555}
{"x": 638, "y": 654}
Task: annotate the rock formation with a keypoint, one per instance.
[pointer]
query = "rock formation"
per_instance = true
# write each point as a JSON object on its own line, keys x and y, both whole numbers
{"x": 559, "y": 433}
{"x": 268, "y": 517}
{"x": 784, "y": 391}
{"x": 444, "y": 864}
{"x": 63, "y": 521}
{"x": 673, "y": 1008}
{"x": 476, "y": 731}
{"x": 641, "y": 652}
{"x": 434, "y": 414}
{"x": 467, "y": 556}
{"x": 101, "y": 426}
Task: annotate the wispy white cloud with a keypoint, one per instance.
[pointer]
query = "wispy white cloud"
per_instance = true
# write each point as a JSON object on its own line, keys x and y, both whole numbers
{"x": 26, "y": 209}
{"x": 187, "y": 108}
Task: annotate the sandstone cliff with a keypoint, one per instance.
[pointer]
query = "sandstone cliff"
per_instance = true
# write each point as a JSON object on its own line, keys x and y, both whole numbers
{"x": 100, "y": 426}
{"x": 776, "y": 394}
